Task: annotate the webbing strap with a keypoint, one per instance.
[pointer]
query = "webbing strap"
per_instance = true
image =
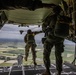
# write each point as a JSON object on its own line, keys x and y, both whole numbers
{"x": 23, "y": 71}
{"x": 10, "y": 70}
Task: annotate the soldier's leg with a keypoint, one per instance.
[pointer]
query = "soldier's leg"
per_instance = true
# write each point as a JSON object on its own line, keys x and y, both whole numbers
{"x": 34, "y": 54}
{"x": 26, "y": 51}
{"x": 59, "y": 48}
{"x": 46, "y": 57}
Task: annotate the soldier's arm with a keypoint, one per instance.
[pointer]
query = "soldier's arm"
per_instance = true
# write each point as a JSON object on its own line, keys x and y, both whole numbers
{"x": 37, "y": 32}
{"x": 46, "y": 23}
{"x": 44, "y": 26}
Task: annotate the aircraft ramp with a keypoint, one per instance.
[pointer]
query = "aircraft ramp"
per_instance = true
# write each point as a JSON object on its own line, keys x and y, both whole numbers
{"x": 34, "y": 70}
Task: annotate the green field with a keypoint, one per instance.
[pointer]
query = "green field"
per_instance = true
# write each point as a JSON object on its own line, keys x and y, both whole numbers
{"x": 68, "y": 55}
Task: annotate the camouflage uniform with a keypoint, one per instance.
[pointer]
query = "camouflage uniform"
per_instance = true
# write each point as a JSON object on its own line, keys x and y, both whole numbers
{"x": 31, "y": 44}
{"x": 52, "y": 40}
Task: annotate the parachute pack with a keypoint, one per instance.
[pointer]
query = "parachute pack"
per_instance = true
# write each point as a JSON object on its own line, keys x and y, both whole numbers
{"x": 62, "y": 26}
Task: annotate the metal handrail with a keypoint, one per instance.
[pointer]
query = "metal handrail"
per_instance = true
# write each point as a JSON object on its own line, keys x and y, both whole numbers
{"x": 11, "y": 67}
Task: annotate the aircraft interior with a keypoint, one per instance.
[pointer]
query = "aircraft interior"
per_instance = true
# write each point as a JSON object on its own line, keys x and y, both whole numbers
{"x": 27, "y": 13}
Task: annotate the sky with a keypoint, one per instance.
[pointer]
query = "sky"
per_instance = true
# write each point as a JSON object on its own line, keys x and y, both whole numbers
{"x": 10, "y": 33}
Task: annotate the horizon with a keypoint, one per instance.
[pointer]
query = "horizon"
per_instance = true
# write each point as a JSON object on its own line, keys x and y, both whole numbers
{"x": 10, "y": 34}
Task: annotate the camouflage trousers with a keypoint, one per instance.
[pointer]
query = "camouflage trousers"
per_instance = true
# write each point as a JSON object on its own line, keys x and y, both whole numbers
{"x": 59, "y": 48}
{"x": 31, "y": 46}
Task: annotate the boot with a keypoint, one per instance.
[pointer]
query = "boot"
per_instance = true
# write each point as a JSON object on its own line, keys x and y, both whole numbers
{"x": 25, "y": 58}
{"x": 35, "y": 63}
{"x": 46, "y": 73}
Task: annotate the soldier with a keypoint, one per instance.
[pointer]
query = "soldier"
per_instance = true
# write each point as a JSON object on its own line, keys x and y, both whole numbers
{"x": 52, "y": 40}
{"x": 30, "y": 43}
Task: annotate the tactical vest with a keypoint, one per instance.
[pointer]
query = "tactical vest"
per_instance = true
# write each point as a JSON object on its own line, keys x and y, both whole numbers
{"x": 30, "y": 38}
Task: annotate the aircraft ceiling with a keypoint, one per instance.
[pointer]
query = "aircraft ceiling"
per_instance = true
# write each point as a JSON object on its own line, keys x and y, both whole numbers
{"x": 24, "y": 16}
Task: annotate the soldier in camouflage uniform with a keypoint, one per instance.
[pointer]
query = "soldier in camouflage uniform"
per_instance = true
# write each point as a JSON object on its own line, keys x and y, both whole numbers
{"x": 52, "y": 40}
{"x": 30, "y": 43}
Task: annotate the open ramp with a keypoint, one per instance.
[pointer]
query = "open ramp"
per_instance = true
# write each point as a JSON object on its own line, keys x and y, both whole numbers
{"x": 34, "y": 70}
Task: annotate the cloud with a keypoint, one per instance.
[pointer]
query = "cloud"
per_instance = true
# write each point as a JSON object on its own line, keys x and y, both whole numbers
{"x": 10, "y": 33}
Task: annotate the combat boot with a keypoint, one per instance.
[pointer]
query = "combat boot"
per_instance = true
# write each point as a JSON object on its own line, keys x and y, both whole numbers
{"x": 35, "y": 63}
{"x": 25, "y": 58}
{"x": 46, "y": 73}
